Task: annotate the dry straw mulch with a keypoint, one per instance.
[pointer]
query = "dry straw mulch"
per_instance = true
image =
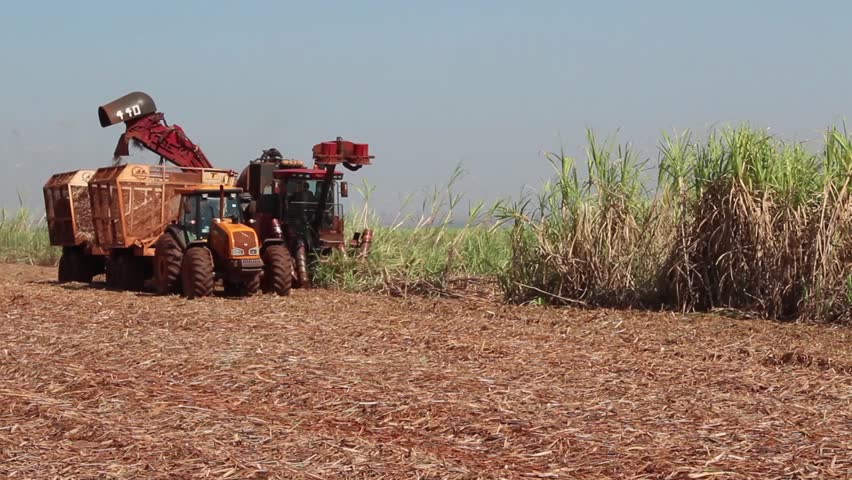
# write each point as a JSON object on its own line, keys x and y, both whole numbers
{"x": 99, "y": 384}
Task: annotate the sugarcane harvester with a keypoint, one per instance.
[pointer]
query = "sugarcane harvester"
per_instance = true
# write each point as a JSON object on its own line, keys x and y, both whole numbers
{"x": 298, "y": 208}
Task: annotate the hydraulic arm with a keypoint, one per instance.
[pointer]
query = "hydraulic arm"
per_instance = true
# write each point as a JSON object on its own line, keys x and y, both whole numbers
{"x": 147, "y": 127}
{"x": 327, "y": 155}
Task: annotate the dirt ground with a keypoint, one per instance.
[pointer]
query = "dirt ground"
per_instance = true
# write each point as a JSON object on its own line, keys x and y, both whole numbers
{"x": 321, "y": 384}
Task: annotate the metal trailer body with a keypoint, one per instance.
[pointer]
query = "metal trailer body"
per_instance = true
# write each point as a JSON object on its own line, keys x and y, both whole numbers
{"x": 68, "y": 212}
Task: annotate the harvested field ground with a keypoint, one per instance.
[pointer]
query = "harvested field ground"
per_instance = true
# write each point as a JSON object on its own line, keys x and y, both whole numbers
{"x": 100, "y": 384}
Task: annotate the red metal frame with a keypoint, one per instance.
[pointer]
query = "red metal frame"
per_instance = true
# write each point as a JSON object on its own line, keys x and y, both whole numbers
{"x": 341, "y": 151}
{"x": 312, "y": 173}
{"x": 168, "y": 141}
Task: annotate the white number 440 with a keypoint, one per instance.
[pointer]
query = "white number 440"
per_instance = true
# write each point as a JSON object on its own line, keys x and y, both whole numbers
{"x": 129, "y": 111}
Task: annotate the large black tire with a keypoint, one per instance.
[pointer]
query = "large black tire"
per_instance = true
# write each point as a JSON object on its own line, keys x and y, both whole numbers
{"x": 252, "y": 285}
{"x": 125, "y": 272}
{"x": 74, "y": 267}
{"x": 65, "y": 272}
{"x": 277, "y": 270}
{"x": 113, "y": 279}
{"x": 168, "y": 260}
{"x": 245, "y": 288}
{"x": 197, "y": 273}
{"x": 132, "y": 273}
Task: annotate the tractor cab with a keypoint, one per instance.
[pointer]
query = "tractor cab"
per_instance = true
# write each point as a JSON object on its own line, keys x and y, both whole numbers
{"x": 201, "y": 208}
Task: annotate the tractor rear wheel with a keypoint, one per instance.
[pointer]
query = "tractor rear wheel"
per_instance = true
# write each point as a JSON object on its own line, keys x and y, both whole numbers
{"x": 197, "y": 273}
{"x": 277, "y": 270}
{"x": 168, "y": 257}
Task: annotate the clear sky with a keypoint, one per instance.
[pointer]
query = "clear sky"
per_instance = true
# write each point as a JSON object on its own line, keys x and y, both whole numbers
{"x": 428, "y": 84}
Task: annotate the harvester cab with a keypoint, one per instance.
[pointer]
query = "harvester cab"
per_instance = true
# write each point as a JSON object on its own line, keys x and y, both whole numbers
{"x": 318, "y": 222}
{"x": 300, "y": 206}
{"x": 209, "y": 241}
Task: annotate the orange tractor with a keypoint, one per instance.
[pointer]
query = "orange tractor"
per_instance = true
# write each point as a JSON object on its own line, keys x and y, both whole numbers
{"x": 210, "y": 240}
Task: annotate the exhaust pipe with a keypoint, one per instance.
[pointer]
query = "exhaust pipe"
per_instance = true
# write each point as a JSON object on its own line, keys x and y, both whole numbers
{"x": 126, "y": 108}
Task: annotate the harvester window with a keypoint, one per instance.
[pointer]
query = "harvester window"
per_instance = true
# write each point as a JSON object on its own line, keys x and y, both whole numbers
{"x": 301, "y": 191}
{"x": 303, "y": 200}
{"x": 307, "y": 191}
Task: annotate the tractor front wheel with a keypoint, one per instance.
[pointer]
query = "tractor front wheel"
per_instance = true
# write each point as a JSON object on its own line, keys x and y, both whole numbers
{"x": 168, "y": 257}
{"x": 277, "y": 270}
{"x": 252, "y": 285}
{"x": 197, "y": 273}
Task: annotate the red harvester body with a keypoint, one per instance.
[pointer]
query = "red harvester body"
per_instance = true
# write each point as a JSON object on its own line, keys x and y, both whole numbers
{"x": 299, "y": 207}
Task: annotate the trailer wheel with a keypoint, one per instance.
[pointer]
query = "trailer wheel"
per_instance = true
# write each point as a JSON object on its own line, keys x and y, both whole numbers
{"x": 67, "y": 271}
{"x": 197, "y": 273}
{"x": 168, "y": 257}
{"x": 125, "y": 272}
{"x": 277, "y": 270}
{"x": 113, "y": 280}
{"x": 131, "y": 273}
{"x": 73, "y": 267}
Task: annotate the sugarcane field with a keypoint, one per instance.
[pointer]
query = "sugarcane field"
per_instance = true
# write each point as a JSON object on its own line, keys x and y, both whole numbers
{"x": 343, "y": 385}
{"x": 446, "y": 240}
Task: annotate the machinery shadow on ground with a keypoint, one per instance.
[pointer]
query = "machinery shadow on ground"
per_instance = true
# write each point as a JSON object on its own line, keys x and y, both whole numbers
{"x": 79, "y": 286}
{"x": 73, "y": 286}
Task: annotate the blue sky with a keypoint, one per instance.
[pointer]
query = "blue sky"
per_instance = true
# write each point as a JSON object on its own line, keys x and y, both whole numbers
{"x": 490, "y": 84}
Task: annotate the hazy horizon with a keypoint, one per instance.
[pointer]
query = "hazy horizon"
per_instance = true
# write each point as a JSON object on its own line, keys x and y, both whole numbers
{"x": 486, "y": 84}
